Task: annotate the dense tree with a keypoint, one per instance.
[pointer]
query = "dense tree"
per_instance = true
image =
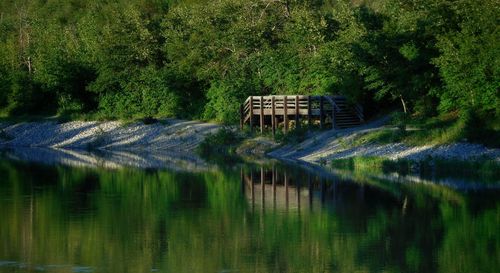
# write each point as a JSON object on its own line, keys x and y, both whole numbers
{"x": 470, "y": 59}
{"x": 200, "y": 59}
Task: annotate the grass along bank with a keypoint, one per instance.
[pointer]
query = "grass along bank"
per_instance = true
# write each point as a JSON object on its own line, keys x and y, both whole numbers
{"x": 440, "y": 130}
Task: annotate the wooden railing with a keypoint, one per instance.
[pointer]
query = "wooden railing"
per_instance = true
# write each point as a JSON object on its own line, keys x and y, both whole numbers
{"x": 270, "y": 110}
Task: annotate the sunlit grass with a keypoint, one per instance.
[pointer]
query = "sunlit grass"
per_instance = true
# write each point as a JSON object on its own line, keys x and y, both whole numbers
{"x": 441, "y": 130}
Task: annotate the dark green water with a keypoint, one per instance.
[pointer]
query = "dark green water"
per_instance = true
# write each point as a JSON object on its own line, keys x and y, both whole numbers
{"x": 67, "y": 219}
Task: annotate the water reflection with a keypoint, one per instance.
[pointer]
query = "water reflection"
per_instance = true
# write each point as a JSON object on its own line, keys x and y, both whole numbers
{"x": 284, "y": 188}
{"x": 246, "y": 218}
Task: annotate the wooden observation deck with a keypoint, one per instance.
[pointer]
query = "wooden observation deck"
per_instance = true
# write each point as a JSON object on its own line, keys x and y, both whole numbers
{"x": 272, "y": 111}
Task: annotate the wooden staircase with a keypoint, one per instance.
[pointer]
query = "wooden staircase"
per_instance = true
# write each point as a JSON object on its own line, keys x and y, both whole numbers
{"x": 347, "y": 115}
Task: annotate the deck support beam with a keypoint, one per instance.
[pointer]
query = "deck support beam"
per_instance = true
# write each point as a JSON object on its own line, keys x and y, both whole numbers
{"x": 273, "y": 115}
{"x": 251, "y": 113}
{"x": 309, "y": 114}
{"x": 261, "y": 114}
{"x": 285, "y": 114}
{"x": 297, "y": 112}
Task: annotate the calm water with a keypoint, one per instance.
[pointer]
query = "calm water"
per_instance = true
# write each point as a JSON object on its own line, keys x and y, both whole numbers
{"x": 67, "y": 219}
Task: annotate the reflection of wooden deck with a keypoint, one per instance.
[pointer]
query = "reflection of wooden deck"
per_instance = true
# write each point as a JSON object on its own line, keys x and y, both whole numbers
{"x": 269, "y": 189}
{"x": 273, "y": 110}
{"x": 277, "y": 195}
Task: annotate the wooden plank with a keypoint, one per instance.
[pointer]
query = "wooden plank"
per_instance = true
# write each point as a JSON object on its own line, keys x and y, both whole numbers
{"x": 285, "y": 114}
{"x": 280, "y": 112}
{"x": 309, "y": 117}
{"x": 282, "y": 97}
{"x": 251, "y": 113}
{"x": 273, "y": 115}
{"x": 261, "y": 114}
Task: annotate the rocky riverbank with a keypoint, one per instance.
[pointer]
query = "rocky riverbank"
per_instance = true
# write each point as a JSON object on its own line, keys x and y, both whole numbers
{"x": 165, "y": 135}
{"x": 329, "y": 145}
{"x": 179, "y": 137}
{"x": 165, "y": 144}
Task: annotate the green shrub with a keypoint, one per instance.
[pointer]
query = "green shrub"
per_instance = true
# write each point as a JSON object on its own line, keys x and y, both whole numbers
{"x": 294, "y": 136}
{"x": 222, "y": 142}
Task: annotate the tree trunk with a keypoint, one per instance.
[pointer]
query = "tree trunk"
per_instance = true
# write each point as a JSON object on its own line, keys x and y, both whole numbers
{"x": 404, "y": 104}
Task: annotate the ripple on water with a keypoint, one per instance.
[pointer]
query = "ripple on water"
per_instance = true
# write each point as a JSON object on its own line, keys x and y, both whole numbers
{"x": 7, "y": 263}
{"x": 76, "y": 269}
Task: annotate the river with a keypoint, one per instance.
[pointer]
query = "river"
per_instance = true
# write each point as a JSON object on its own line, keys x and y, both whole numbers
{"x": 238, "y": 217}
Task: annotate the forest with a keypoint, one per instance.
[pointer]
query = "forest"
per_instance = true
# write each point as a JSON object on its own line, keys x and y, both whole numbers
{"x": 199, "y": 59}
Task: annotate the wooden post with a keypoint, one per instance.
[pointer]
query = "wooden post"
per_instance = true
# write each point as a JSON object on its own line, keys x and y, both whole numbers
{"x": 285, "y": 114}
{"x": 309, "y": 117}
{"x": 321, "y": 118}
{"x": 242, "y": 117}
{"x": 261, "y": 114}
{"x": 297, "y": 112}
{"x": 251, "y": 113}
{"x": 273, "y": 115}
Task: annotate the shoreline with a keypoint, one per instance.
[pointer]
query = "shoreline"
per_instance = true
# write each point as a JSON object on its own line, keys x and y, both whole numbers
{"x": 164, "y": 135}
{"x": 180, "y": 138}
{"x": 330, "y": 145}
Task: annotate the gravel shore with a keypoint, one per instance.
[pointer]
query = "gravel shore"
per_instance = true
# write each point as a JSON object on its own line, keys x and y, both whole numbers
{"x": 165, "y": 144}
{"x": 329, "y": 145}
{"x": 169, "y": 141}
{"x": 166, "y": 135}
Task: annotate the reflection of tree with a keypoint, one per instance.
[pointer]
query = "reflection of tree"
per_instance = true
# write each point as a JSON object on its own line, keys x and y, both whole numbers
{"x": 471, "y": 242}
{"x": 133, "y": 221}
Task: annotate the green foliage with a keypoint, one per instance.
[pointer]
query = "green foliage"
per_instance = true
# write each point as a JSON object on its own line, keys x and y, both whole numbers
{"x": 221, "y": 143}
{"x": 444, "y": 129}
{"x": 201, "y": 59}
{"x": 294, "y": 136}
{"x": 469, "y": 62}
